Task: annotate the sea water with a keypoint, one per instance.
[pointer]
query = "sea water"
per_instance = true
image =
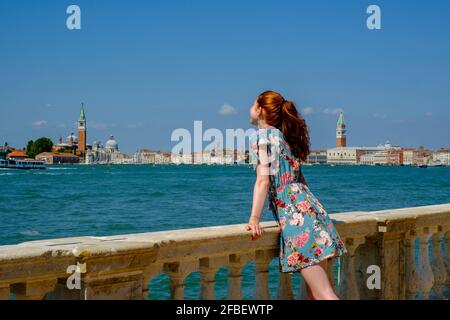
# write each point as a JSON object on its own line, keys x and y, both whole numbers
{"x": 85, "y": 200}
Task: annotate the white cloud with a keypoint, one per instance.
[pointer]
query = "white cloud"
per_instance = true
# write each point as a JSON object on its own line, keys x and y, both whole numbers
{"x": 40, "y": 124}
{"x": 334, "y": 111}
{"x": 227, "y": 109}
{"x": 307, "y": 110}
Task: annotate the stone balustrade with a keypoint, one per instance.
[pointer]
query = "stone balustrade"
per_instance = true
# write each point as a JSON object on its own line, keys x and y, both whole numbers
{"x": 408, "y": 248}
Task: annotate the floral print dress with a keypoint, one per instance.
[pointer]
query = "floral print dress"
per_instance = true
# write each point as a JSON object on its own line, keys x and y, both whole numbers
{"x": 308, "y": 234}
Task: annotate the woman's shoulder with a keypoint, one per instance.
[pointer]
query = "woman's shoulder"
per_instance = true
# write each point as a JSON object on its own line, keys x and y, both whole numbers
{"x": 259, "y": 134}
{"x": 270, "y": 135}
{"x": 268, "y": 131}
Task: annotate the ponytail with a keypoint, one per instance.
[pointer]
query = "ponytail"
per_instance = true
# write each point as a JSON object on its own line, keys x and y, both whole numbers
{"x": 283, "y": 115}
{"x": 295, "y": 130}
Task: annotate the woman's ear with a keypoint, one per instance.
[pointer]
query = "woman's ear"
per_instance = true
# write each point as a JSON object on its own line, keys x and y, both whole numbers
{"x": 262, "y": 113}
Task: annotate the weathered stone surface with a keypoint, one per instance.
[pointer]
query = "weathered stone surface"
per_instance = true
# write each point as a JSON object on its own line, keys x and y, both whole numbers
{"x": 119, "y": 267}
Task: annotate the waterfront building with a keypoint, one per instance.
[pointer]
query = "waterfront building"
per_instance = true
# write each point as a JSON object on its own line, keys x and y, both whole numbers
{"x": 183, "y": 157}
{"x": 76, "y": 145}
{"x": 394, "y": 155}
{"x": 145, "y": 156}
{"x": 415, "y": 157}
{"x": 342, "y": 154}
{"x": 317, "y": 157}
{"x": 111, "y": 145}
{"x": 408, "y": 156}
{"x": 349, "y": 155}
{"x": 200, "y": 157}
{"x": 57, "y": 157}
{"x": 107, "y": 154}
{"x": 71, "y": 143}
{"x": 18, "y": 154}
{"x": 163, "y": 157}
{"x": 442, "y": 156}
{"x": 383, "y": 155}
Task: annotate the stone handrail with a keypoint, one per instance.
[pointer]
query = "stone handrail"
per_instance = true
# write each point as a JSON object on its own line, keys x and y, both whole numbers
{"x": 394, "y": 242}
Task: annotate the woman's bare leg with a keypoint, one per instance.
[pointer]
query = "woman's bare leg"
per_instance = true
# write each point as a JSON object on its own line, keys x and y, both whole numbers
{"x": 317, "y": 281}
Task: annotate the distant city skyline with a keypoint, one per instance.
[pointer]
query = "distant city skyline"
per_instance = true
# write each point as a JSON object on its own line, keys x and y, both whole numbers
{"x": 145, "y": 70}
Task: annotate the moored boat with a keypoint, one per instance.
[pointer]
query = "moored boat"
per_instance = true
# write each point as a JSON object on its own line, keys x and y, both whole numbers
{"x": 24, "y": 164}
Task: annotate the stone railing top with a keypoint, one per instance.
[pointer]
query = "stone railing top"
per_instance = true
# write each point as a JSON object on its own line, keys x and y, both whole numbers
{"x": 347, "y": 221}
{"x": 203, "y": 242}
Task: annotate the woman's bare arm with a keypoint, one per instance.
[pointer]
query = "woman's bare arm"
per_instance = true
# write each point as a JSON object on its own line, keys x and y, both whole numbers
{"x": 260, "y": 191}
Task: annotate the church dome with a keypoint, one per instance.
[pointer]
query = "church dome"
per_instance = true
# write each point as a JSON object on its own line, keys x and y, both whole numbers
{"x": 111, "y": 144}
{"x": 71, "y": 139}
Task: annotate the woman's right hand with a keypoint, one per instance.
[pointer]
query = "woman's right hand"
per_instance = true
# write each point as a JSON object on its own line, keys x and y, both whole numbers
{"x": 255, "y": 227}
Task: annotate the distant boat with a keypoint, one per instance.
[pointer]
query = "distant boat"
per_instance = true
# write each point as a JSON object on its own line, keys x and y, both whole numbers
{"x": 24, "y": 164}
{"x": 436, "y": 165}
{"x": 422, "y": 166}
{"x": 13, "y": 163}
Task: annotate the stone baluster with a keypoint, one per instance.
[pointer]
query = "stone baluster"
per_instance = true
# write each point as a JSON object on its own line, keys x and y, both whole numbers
{"x": 392, "y": 263}
{"x": 330, "y": 273}
{"x": 208, "y": 269}
{"x": 262, "y": 260}
{"x": 177, "y": 272}
{"x": 4, "y": 291}
{"x": 148, "y": 275}
{"x": 349, "y": 287}
{"x": 237, "y": 262}
{"x": 426, "y": 273}
{"x": 33, "y": 289}
{"x": 284, "y": 287}
{"x": 437, "y": 264}
{"x": 177, "y": 286}
{"x": 447, "y": 257}
{"x": 411, "y": 272}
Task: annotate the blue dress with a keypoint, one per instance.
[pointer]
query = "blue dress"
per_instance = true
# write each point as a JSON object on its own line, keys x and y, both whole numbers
{"x": 308, "y": 234}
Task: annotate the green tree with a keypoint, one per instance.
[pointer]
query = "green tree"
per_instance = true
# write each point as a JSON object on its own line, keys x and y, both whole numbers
{"x": 29, "y": 148}
{"x": 43, "y": 144}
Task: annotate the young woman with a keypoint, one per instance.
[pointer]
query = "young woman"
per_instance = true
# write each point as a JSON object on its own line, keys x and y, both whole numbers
{"x": 308, "y": 238}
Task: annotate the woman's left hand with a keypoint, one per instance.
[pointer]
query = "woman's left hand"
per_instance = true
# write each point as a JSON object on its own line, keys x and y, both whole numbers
{"x": 255, "y": 227}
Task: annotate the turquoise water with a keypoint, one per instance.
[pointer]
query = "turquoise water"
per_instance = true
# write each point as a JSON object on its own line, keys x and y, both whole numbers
{"x": 76, "y": 200}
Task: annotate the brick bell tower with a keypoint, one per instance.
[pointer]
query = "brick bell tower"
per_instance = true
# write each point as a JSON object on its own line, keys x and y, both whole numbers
{"x": 81, "y": 149}
{"x": 341, "y": 137}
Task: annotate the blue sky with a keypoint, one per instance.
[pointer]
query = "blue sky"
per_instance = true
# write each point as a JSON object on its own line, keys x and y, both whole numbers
{"x": 145, "y": 68}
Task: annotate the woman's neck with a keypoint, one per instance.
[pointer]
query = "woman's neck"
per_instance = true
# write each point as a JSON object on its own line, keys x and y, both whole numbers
{"x": 263, "y": 125}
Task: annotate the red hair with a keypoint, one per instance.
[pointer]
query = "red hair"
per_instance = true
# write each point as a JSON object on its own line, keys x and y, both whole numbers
{"x": 283, "y": 115}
